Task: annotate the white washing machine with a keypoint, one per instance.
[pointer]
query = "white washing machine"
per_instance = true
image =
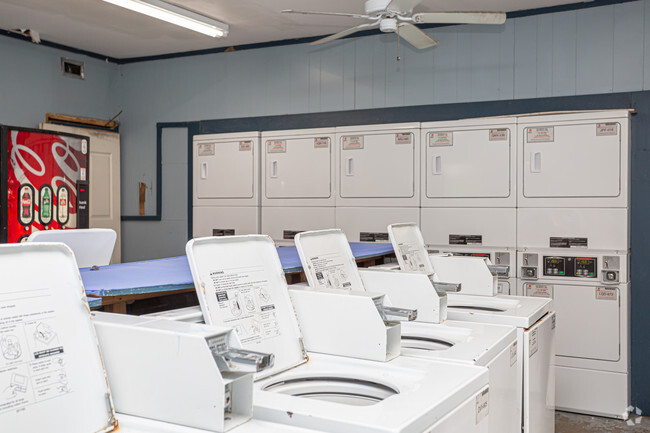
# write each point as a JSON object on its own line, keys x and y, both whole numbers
{"x": 298, "y": 182}
{"x": 226, "y": 177}
{"x": 331, "y": 393}
{"x": 329, "y": 264}
{"x": 533, "y": 318}
{"x": 590, "y": 292}
{"x": 130, "y": 424}
{"x": 574, "y": 160}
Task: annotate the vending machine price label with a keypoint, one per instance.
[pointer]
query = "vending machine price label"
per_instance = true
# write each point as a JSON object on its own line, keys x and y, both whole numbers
{"x": 437, "y": 139}
{"x": 539, "y": 135}
{"x": 84, "y": 147}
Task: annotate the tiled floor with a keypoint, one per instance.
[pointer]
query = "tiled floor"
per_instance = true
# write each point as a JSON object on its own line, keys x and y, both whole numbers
{"x": 572, "y": 423}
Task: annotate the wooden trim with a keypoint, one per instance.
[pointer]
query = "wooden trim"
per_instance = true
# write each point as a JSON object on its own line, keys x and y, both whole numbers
{"x": 81, "y": 121}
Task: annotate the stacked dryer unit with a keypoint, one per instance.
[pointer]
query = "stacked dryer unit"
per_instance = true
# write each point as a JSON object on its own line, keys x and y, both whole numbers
{"x": 298, "y": 182}
{"x": 468, "y": 190}
{"x": 573, "y": 242}
{"x": 226, "y": 199}
{"x": 378, "y": 179}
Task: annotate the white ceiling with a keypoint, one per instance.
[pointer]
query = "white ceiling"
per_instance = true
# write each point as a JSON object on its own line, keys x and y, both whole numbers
{"x": 100, "y": 27}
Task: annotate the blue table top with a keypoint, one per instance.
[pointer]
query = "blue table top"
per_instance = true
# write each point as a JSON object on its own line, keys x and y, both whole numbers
{"x": 174, "y": 273}
{"x": 94, "y": 302}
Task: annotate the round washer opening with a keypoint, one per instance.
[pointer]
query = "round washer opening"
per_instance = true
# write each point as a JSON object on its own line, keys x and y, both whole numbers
{"x": 425, "y": 343}
{"x": 477, "y": 307}
{"x": 342, "y": 390}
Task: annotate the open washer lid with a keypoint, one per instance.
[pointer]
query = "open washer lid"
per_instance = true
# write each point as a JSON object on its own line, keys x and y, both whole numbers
{"x": 240, "y": 284}
{"x": 409, "y": 247}
{"x": 328, "y": 261}
{"x": 51, "y": 372}
{"x": 518, "y": 311}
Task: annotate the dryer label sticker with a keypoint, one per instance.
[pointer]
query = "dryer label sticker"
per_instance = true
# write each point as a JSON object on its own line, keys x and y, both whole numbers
{"x": 540, "y": 135}
{"x": 513, "y": 354}
{"x": 604, "y": 129}
{"x": 321, "y": 142}
{"x": 351, "y": 142}
{"x": 465, "y": 239}
{"x": 533, "y": 343}
{"x": 290, "y": 234}
{"x": 437, "y": 139}
{"x": 276, "y": 146}
{"x": 244, "y": 303}
{"x": 482, "y": 405}
{"x": 245, "y": 146}
{"x": 558, "y": 242}
{"x": 331, "y": 271}
{"x": 404, "y": 138}
{"x": 606, "y": 294}
{"x": 498, "y": 135}
{"x": 374, "y": 237}
{"x": 206, "y": 149}
{"x": 540, "y": 290}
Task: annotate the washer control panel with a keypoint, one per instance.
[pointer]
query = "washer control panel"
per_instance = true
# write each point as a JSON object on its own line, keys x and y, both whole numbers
{"x": 577, "y": 267}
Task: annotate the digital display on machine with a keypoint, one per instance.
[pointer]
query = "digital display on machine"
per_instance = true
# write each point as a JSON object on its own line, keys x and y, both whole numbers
{"x": 580, "y": 267}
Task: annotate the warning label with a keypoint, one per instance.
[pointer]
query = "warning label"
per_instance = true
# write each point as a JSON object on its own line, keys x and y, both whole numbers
{"x": 606, "y": 294}
{"x": 245, "y": 146}
{"x": 604, "y": 129}
{"x": 206, "y": 149}
{"x": 539, "y": 135}
{"x": 441, "y": 139}
{"x": 498, "y": 135}
{"x": 321, "y": 143}
{"x": 276, "y": 146}
{"x": 404, "y": 138}
{"x": 351, "y": 142}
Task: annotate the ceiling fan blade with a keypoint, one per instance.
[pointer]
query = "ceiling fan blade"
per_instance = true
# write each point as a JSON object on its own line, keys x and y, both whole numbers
{"x": 338, "y": 14}
{"x": 460, "y": 17}
{"x": 343, "y": 34}
{"x": 416, "y": 37}
{"x": 402, "y": 6}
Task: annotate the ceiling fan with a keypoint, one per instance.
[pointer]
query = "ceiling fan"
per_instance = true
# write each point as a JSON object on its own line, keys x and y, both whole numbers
{"x": 396, "y": 16}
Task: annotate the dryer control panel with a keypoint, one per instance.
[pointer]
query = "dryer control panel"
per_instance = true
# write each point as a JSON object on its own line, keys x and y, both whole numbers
{"x": 578, "y": 267}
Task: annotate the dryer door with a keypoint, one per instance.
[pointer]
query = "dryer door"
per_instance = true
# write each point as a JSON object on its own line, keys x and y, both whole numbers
{"x": 588, "y": 321}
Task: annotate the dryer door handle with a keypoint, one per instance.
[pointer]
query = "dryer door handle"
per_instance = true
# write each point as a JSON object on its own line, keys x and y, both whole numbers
{"x": 349, "y": 166}
{"x": 536, "y": 162}
{"x": 274, "y": 169}
{"x": 436, "y": 164}
{"x": 204, "y": 170}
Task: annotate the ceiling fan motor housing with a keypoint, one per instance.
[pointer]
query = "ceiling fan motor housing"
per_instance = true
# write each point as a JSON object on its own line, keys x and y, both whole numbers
{"x": 375, "y": 7}
{"x": 388, "y": 25}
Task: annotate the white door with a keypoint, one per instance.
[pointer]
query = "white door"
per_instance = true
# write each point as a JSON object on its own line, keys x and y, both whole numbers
{"x": 588, "y": 323}
{"x": 571, "y": 160}
{"x": 468, "y": 163}
{"x": 224, "y": 169}
{"x": 104, "y": 179}
{"x": 377, "y": 164}
{"x": 298, "y": 167}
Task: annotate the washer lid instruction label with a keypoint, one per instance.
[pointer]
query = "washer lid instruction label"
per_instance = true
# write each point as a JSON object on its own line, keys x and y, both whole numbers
{"x": 245, "y": 303}
{"x": 331, "y": 271}
{"x": 412, "y": 256}
{"x": 539, "y": 135}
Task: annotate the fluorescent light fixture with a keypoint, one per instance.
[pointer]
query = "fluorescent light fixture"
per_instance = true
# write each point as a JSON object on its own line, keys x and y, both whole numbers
{"x": 175, "y": 15}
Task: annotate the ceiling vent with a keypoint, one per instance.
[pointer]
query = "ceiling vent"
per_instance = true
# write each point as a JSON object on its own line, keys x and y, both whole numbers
{"x": 72, "y": 68}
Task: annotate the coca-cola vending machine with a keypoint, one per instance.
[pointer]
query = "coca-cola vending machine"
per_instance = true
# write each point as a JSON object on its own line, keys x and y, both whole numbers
{"x": 43, "y": 182}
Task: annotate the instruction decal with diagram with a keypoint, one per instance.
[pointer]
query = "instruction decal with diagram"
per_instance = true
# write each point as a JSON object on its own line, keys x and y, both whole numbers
{"x": 331, "y": 271}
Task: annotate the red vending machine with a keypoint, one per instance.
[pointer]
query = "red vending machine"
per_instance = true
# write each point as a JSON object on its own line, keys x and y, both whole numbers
{"x": 43, "y": 182}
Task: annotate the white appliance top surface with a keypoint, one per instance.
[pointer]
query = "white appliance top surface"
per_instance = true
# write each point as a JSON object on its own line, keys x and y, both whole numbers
{"x": 131, "y": 424}
{"x": 240, "y": 284}
{"x": 519, "y": 311}
{"x": 573, "y": 116}
{"x": 369, "y": 129}
{"x": 468, "y": 123}
{"x": 293, "y": 133}
{"x": 50, "y": 367}
{"x": 251, "y": 135}
{"x": 474, "y": 343}
{"x": 428, "y": 390}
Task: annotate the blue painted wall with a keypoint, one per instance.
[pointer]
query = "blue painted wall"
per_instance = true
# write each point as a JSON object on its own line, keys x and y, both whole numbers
{"x": 31, "y": 85}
